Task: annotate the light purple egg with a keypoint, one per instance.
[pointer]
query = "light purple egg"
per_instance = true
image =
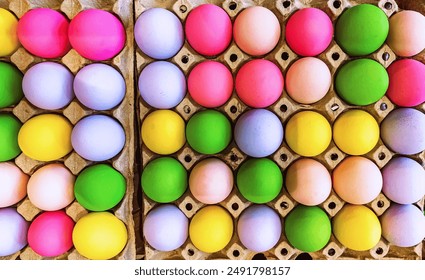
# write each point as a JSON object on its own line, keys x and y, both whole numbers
{"x": 13, "y": 231}
{"x": 159, "y": 33}
{"x": 48, "y": 85}
{"x": 258, "y": 133}
{"x": 259, "y": 228}
{"x": 166, "y": 227}
{"x": 99, "y": 86}
{"x": 403, "y": 225}
{"x": 162, "y": 85}
{"x": 403, "y": 131}
{"x": 404, "y": 180}
{"x": 98, "y": 137}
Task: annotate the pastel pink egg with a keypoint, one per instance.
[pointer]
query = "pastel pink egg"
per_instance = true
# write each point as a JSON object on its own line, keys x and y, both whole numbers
{"x": 309, "y": 31}
{"x": 51, "y": 187}
{"x": 13, "y": 186}
{"x": 259, "y": 83}
{"x": 50, "y": 234}
{"x": 308, "y": 80}
{"x": 211, "y": 181}
{"x": 210, "y": 84}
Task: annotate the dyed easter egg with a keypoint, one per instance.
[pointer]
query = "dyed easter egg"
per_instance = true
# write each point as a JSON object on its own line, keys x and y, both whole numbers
{"x": 8, "y": 32}
{"x": 99, "y": 187}
{"x": 162, "y": 85}
{"x": 211, "y": 181}
{"x": 258, "y": 133}
{"x": 309, "y": 31}
{"x": 164, "y": 180}
{"x": 404, "y": 180}
{"x": 166, "y": 228}
{"x": 159, "y": 33}
{"x": 44, "y": 33}
{"x": 406, "y": 87}
{"x": 208, "y": 29}
{"x": 259, "y": 180}
{"x": 14, "y": 184}
{"x": 50, "y": 234}
{"x": 406, "y": 36}
{"x": 13, "y": 228}
{"x": 210, "y": 84}
{"x": 308, "y": 228}
{"x": 259, "y": 83}
{"x": 98, "y": 137}
{"x": 208, "y": 132}
{"x": 357, "y": 227}
{"x": 51, "y": 187}
{"x": 211, "y": 229}
{"x": 9, "y": 130}
{"x": 163, "y": 132}
{"x": 357, "y": 180}
{"x": 403, "y": 225}
{"x": 361, "y": 81}
{"x": 48, "y": 85}
{"x": 361, "y": 29}
{"x": 308, "y": 80}
{"x": 256, "y": 30}
{"x": 90, "y": 227}
{"x": 308, "y": 181}
{"x": 11, "y": 85}
{"x": 99, "y": 86}
{"x": 403, "y": 131}
{"x": 356, "y": 132}
{"x": 259, "y": 228}
{"x": 97, "y": 34}
{"x": 308, "y": 133}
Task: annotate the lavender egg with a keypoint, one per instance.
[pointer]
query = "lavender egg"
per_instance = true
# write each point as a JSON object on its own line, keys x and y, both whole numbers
{"x": 99, "y": 86}
{"x": 13, "y": 231}
{"x": 403, "y": 225}
{"x": 404, "y": 180}
{"x": 403, "y": 131}
{"x": 98, "y": 137}
{"x": 162, "y": 85}
{"x": 48, "y": 85}
{"x": 258, "y": 133}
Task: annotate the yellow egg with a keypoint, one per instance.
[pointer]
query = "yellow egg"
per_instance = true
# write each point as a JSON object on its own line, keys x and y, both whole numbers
{"x": 8, "y": 33}
{"x": 308, "y": 133}
{"x": 163, "y": 132}
{"x": 46, "y": 137}
{"x": 357, "y": 227}
{"x": 99, "y": 236}
{"x": 356, "y": 132}
{"x": 211, "y": 229}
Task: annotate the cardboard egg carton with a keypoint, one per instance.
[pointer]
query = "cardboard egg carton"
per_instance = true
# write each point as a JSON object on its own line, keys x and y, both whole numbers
{"x": 331, "y": 106}
{"x": 124, "y": 113}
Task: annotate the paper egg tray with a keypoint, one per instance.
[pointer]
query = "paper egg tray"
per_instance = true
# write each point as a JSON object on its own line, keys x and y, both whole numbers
{"x": 124, "y": 113}
{"x": 330, "y": 107}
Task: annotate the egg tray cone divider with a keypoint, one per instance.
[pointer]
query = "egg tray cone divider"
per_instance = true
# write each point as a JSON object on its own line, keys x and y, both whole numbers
{"x": 123, "y": 113}
{"x": 331, "y": 106}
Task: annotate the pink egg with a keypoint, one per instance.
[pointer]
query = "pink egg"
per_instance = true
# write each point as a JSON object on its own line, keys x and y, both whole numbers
{"x": 259, "y": 83}
{"x": 309, "y": 31}
{"x": 51, "y": 187}
{"x": 97, "y": 34}
{"x": 50, "y": 234}
{"x": 13, "y": 186}
{"x": 308, "y": 181}
{"x": 211, "y": 181}
{"x": 256, "y": 30}
{"x": 210, "y": 84}
{"x": 208, "y": 29}
{"x": 357, "y": 180}
{"x": 308, "y": 80}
